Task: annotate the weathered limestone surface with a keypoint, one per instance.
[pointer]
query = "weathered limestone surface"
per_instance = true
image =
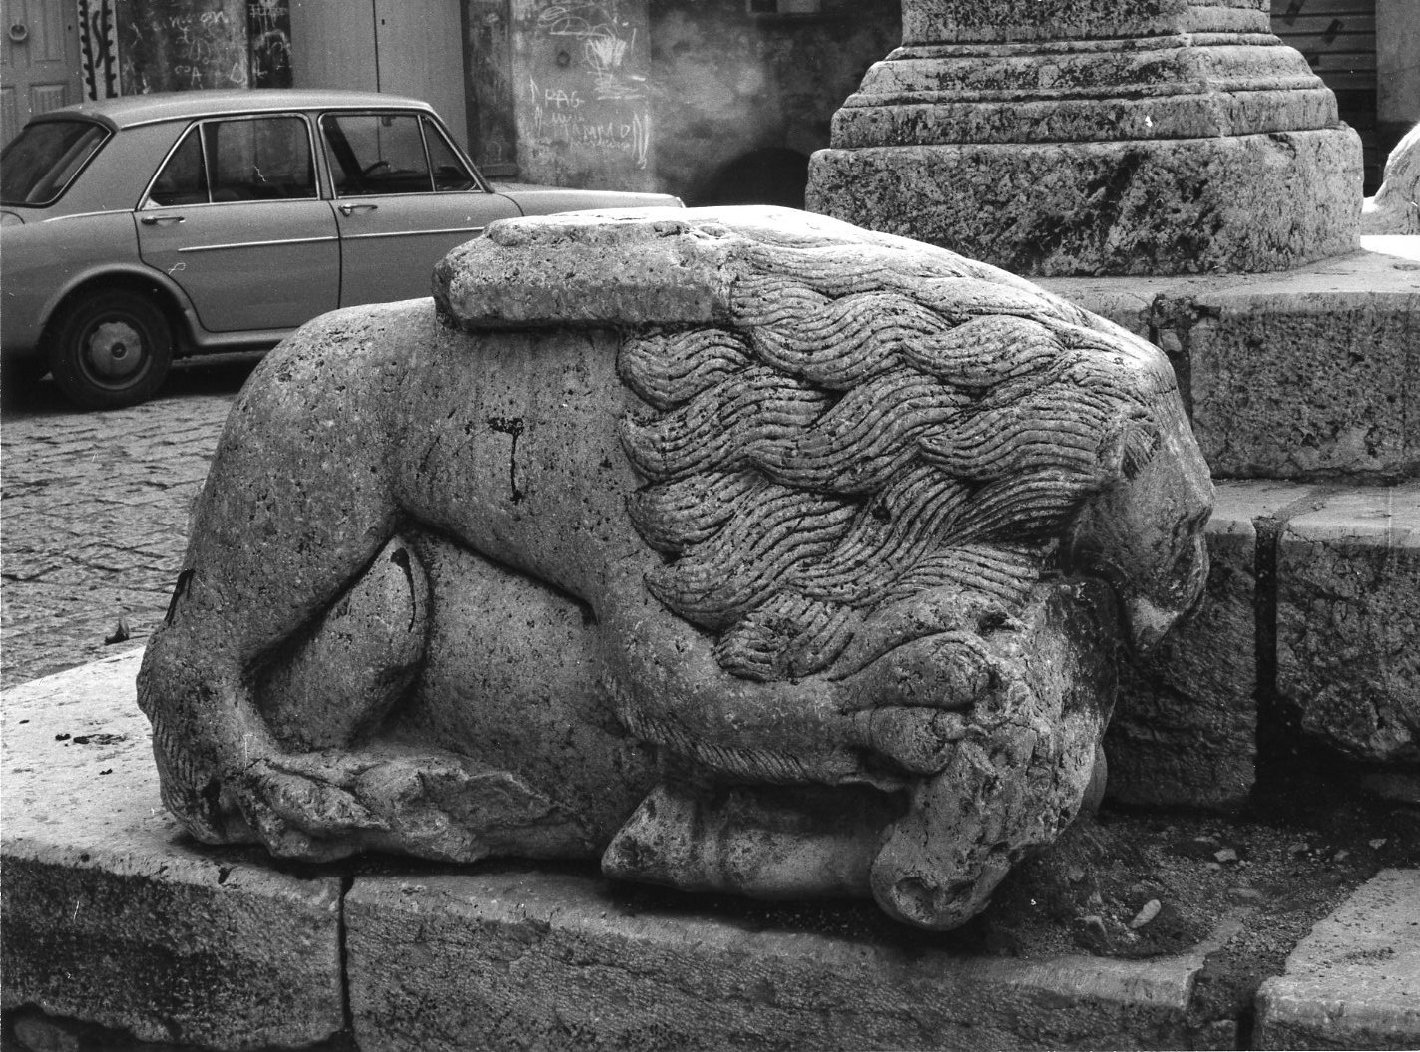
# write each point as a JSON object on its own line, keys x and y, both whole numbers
{"x": 932, "y": 21}
{"x": 1309, "y": 375}
{"x": 1184, "y": 732}
{"x": 1118, "y": 137}
{"x": 208, "y": 949}
{"x": 1094, "y": 208}
{"x": 1339, "y": 611}
{"x": 1095, "y": 91}
{"x": 1354, "y": 982}
{"x": 542, "y": 960}
{"x": 1348, "y": 617}
{"x": 1308, "y": 385}
{"x": 1396, "y": 207}
{"x": 113, "y": 916}
{"x": 832, "y": 534}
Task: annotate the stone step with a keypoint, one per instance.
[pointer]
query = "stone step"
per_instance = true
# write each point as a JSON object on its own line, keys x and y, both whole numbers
{"x": 1306, "y": 374}
{"x": 1310, "y": 619}
{"x": 112, "y": 916}
{"x": 1354, "y": 982}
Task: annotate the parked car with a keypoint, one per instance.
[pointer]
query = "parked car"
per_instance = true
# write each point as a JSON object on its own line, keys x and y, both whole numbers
{"x": 141, "y": 228}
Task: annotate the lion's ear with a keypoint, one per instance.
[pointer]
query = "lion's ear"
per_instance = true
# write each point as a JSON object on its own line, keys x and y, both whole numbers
{"x": 1128, "y": 445}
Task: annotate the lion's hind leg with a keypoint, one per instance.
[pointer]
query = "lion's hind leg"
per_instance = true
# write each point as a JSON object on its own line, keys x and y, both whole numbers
{"x": 297, "y": 504}
{"x": 349, "y": 776}
{"x": 336, "y": 680}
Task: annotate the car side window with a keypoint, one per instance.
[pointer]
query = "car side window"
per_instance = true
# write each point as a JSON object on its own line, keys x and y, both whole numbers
{"x": 376, "y": 153}
{"x": 183, "y": 180}
{"x": 450, "y": 173}
{"x": 262, "y": 159}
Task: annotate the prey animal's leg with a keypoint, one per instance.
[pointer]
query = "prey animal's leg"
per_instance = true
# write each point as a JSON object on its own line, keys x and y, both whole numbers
{"x": 775, "y": 842}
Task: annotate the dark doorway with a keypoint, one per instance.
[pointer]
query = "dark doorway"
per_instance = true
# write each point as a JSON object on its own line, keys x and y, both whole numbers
{"x": 773, "y": 176}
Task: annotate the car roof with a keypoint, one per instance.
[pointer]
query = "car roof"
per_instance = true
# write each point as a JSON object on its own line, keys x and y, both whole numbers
{"x": 127, "y": 111}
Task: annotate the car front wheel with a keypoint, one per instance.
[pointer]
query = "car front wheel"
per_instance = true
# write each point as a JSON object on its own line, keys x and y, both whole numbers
{"x": 111, "y": 349}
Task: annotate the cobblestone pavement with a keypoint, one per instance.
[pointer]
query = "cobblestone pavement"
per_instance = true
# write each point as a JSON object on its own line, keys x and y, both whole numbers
{"x": 93, "y": 514}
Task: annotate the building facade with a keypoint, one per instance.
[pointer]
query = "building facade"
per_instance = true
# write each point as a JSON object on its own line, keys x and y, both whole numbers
{"x": 714, "y": 100}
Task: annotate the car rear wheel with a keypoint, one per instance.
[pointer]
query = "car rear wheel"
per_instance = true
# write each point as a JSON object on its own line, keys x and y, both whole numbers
{"x": 111, "y": 349}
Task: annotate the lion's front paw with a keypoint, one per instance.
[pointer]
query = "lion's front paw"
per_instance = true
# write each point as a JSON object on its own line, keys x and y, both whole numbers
{"x": 916, "y": 702}
{"x": 297, "y": 810}
{"x": 323, "y": 806}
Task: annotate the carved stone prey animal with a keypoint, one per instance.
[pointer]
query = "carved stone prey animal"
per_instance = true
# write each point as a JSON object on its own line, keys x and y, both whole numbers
{"x": 743, "y": 548}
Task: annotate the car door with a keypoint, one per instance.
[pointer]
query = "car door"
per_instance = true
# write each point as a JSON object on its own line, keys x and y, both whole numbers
{"x": 234, "y": 217}
{"x": 403, "y": 198}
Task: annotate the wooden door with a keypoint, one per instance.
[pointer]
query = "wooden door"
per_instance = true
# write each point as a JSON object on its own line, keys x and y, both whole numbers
{"x": 333, "y": 44}
{"x": 420, "y": 47}
{"x": 402, "y": 47}
{"x": 39, "y": 60}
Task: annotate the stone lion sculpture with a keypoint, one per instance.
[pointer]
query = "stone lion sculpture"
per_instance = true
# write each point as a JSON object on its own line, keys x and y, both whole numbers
{"x": 1395, "y": 209}
{"x": 742, "y": 548}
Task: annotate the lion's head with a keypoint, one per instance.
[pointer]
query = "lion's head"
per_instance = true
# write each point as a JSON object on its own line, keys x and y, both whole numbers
{"x": 872, "y": 421}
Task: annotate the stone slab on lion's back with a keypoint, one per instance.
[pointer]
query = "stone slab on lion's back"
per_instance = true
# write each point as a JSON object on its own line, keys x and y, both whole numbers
{"x": 550, "y": 269}
{"x": 652, "y": 266}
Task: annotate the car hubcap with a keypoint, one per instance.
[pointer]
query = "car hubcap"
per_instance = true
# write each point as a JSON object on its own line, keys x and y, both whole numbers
{"x": 115, "y": 350}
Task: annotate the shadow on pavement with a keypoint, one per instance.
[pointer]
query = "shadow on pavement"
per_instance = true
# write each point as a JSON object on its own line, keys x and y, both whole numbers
{"x": 202, "y": 375}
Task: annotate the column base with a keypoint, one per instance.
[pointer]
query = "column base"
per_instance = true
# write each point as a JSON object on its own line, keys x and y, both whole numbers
{"x": 1167, "y": 206}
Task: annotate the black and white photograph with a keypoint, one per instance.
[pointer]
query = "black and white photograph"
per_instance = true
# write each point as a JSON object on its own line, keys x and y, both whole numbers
{"x": 659, "y": 525}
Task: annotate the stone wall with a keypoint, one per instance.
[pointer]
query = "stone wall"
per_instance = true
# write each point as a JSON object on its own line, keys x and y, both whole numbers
{"x": 191, "y": 45}
{"x": 741, "y": 100}
{"x": 560, "y": 93}
{"x": 488, "y": 85}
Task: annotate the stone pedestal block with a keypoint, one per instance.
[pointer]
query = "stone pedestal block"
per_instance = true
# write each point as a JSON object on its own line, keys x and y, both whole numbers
{"x": 540, "y": 960}
{"x": 112, "y": 915}
{"x": 1185, "y": 727}
{"x": 1110, "y": 137}
{"x": 1260, "y": 202}
{"x": 928, "y": 21}
{"x": 1314, "y": 381}
{"x": 1308, "y": 375}
{"x": 1348, "y": 617}
{"x": 1354, "y": 982}
{"x": 1184, "y": 732}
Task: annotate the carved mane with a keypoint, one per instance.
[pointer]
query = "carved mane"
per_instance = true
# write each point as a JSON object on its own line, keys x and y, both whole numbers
{"x": 873, "y": 428}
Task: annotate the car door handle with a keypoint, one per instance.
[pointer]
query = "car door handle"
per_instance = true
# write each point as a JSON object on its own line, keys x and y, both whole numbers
{"x": 349, "y": 210}
{"x": 155, "y": 220}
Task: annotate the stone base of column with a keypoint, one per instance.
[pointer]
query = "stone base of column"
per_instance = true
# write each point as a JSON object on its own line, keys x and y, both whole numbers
{"x": 1235, "y": 203}
{"x": 1099, "y": 137}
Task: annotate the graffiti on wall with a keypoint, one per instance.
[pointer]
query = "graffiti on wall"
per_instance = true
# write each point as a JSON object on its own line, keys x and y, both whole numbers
{"x": 98, "y": 48}
{"x": 269, "y": 43}
{"x": 186, "y": 45}
{"x": 183, "y": 45}
{"x": 605, "y": 38}
{"x": 586, "y": 84}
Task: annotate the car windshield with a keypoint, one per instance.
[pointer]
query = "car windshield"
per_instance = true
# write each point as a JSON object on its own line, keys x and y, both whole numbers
{"x": 39, "y": 164}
